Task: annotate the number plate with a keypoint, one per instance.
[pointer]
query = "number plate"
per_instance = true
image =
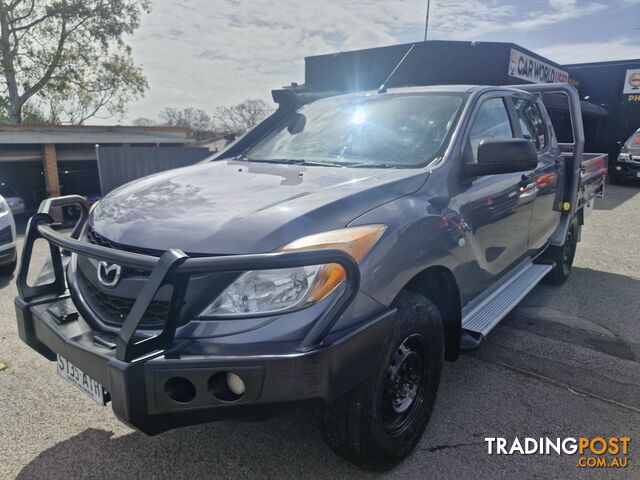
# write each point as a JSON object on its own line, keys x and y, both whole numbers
{"x": 81, "y": 380}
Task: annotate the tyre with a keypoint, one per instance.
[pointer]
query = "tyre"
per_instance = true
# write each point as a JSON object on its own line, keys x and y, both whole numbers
{"x": 615, "y": 178}
{"x": 9, "y": 268}
{"x": 563, "y": 256}
{"x": 379, "y": 423}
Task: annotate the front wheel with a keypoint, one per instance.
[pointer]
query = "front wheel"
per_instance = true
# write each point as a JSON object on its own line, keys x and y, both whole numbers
{"x": 563, "y": 256}
{"x": 9, "y": 268}
{"x": 379, "y": 423}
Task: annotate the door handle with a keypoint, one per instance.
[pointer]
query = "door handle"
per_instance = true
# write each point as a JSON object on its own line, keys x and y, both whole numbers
{"x": 526, "y": 182}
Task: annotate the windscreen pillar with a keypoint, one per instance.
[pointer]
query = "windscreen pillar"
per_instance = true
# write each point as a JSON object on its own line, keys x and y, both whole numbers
{"x": 51, "y": 178}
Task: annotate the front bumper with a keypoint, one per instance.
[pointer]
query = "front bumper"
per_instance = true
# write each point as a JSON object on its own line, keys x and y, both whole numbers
{"x": 138, "y": 390}
{"x": 627, "y": 169}
{"x": 139, "y": 372}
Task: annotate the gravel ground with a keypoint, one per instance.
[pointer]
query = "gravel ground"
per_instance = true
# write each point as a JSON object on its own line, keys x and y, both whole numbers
{"x": 565, "y": 363}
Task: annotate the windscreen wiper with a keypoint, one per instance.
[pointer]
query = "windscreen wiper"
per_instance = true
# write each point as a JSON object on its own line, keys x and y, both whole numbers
{"x": 291, "y": 161}
{"x": 373, "y": 165}
{"x": 314, "y": 163}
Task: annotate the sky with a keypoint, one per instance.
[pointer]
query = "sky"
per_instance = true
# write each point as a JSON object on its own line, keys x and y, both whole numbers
{"x": 208, "y": 53}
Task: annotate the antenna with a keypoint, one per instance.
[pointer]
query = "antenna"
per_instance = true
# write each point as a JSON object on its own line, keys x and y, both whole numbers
{"x": 383, "y": 87}
{"x": 426, "y": 22}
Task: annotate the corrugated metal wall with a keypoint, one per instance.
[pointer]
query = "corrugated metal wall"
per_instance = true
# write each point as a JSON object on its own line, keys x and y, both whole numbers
{"x": 119, "y": 165}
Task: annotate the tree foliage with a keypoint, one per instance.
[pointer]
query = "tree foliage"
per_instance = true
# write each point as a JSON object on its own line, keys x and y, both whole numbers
{"x": 144, "y": 122}
{"x": 194, "y": 118}
{"x": 30, "y": 115}
{"x": 69, "y": 57}
{"x": 235, "y": 120}
{"x": 239, "y": 118}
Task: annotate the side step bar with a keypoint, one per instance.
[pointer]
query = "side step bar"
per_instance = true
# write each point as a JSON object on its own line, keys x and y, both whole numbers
{"x": 488, "y": 313}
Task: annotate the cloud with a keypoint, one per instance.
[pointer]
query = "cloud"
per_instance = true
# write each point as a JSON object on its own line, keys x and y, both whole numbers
{"x": 616, "y": 49}
{"x": 559, "y": 11}
{"x": 207, "y": 53}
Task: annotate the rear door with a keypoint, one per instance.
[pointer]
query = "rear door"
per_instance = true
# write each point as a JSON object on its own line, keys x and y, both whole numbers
{"x": 544, "y": 185}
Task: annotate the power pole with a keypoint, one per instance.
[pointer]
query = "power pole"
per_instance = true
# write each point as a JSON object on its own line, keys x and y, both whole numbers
{"x": 426, "y": 23}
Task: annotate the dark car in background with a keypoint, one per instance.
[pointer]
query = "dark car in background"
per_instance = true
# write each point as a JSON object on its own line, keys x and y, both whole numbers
{"x": 15, "y": 201}
{"x": 627, "y": 165}
{"x": 75, "y": 181}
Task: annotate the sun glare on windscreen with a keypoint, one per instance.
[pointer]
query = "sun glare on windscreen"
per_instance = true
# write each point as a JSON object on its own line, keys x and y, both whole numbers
{"x": 358, "y": 116}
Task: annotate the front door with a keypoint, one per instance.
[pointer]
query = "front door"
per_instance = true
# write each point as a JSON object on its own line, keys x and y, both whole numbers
{"x": 497, "y": 208}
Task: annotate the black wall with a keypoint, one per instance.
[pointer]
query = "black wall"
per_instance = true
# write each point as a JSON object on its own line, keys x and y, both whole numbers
{"x": 603, "y": 82}
{"x": 430, "y": 63}
{"x": 119, "y": 165}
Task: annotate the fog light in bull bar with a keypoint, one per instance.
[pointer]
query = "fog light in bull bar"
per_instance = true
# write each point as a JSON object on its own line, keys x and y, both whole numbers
{"x": 235, "y": 383}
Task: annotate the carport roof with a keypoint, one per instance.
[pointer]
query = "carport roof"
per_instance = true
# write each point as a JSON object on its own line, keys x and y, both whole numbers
{"x": 29, "y": 134}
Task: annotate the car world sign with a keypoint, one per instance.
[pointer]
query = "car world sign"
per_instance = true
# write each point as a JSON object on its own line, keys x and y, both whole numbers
{"x": 531, "y": 69}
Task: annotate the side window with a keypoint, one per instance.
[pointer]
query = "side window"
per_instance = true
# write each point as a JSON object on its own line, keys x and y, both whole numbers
{"x": 491, "y": 122}
{"x": 531, "y": 122}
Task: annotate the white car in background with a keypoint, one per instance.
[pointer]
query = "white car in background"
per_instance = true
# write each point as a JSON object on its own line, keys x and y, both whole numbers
{"x": 8, "y": 256}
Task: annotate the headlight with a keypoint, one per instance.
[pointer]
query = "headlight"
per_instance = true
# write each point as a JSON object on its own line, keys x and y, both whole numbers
{"x": 4, "y": 208}
{"x": 624, "y": 157}
{"x": 260, "y": 292}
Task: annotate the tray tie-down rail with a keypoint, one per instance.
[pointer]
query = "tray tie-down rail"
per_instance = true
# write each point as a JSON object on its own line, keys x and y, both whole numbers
{"x": 173, "y": 268}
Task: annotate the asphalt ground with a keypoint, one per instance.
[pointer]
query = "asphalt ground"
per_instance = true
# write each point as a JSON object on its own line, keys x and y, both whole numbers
{"x": 565, "y": 363}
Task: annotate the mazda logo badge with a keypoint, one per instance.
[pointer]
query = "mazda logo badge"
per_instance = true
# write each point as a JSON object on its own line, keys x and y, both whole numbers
{"x": 109, "y": 274}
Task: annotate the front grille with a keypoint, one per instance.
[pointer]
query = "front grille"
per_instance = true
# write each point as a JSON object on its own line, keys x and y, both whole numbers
{"x": 114, "y": 310}
{"x": 97, "y": 239}
{"x": 5, "y": 235}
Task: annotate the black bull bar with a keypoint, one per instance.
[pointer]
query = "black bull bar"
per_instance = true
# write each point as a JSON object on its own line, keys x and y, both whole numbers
{"x": 173, "y": 268}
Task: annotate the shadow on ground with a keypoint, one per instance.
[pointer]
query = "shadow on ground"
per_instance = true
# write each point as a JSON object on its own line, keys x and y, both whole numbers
{"x": 287, "y": 446}
{"x": 616, "y": 195}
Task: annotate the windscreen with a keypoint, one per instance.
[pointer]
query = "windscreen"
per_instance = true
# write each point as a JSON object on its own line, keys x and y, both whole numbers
{"x": 377, "y": 130}
{"x": 634, "y": 141}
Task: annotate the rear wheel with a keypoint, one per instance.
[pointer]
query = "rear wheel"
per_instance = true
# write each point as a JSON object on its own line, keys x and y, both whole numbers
{"x": 563, "y": 256}
{"x": 379, "y": 423}
{"x": 615, "y": 178}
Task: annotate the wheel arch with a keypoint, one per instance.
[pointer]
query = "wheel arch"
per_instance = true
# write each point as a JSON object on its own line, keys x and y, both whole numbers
{"x": 438, "y": 284}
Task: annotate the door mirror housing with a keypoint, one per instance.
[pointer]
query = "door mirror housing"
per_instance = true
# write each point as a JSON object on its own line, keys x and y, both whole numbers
{"x": 504, "y": 156}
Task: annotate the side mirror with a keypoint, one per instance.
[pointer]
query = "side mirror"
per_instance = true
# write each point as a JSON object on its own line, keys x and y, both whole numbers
{"x": 504, "y": 156}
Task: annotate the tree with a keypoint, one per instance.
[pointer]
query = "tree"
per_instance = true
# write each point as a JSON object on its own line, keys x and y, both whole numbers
{"x": 239, "y": 118}
{"x": 30, "y": 115}
{"x": 70, "y": 56}
{"x": 194, "y": 118}
{"x": 144, "y": 122}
